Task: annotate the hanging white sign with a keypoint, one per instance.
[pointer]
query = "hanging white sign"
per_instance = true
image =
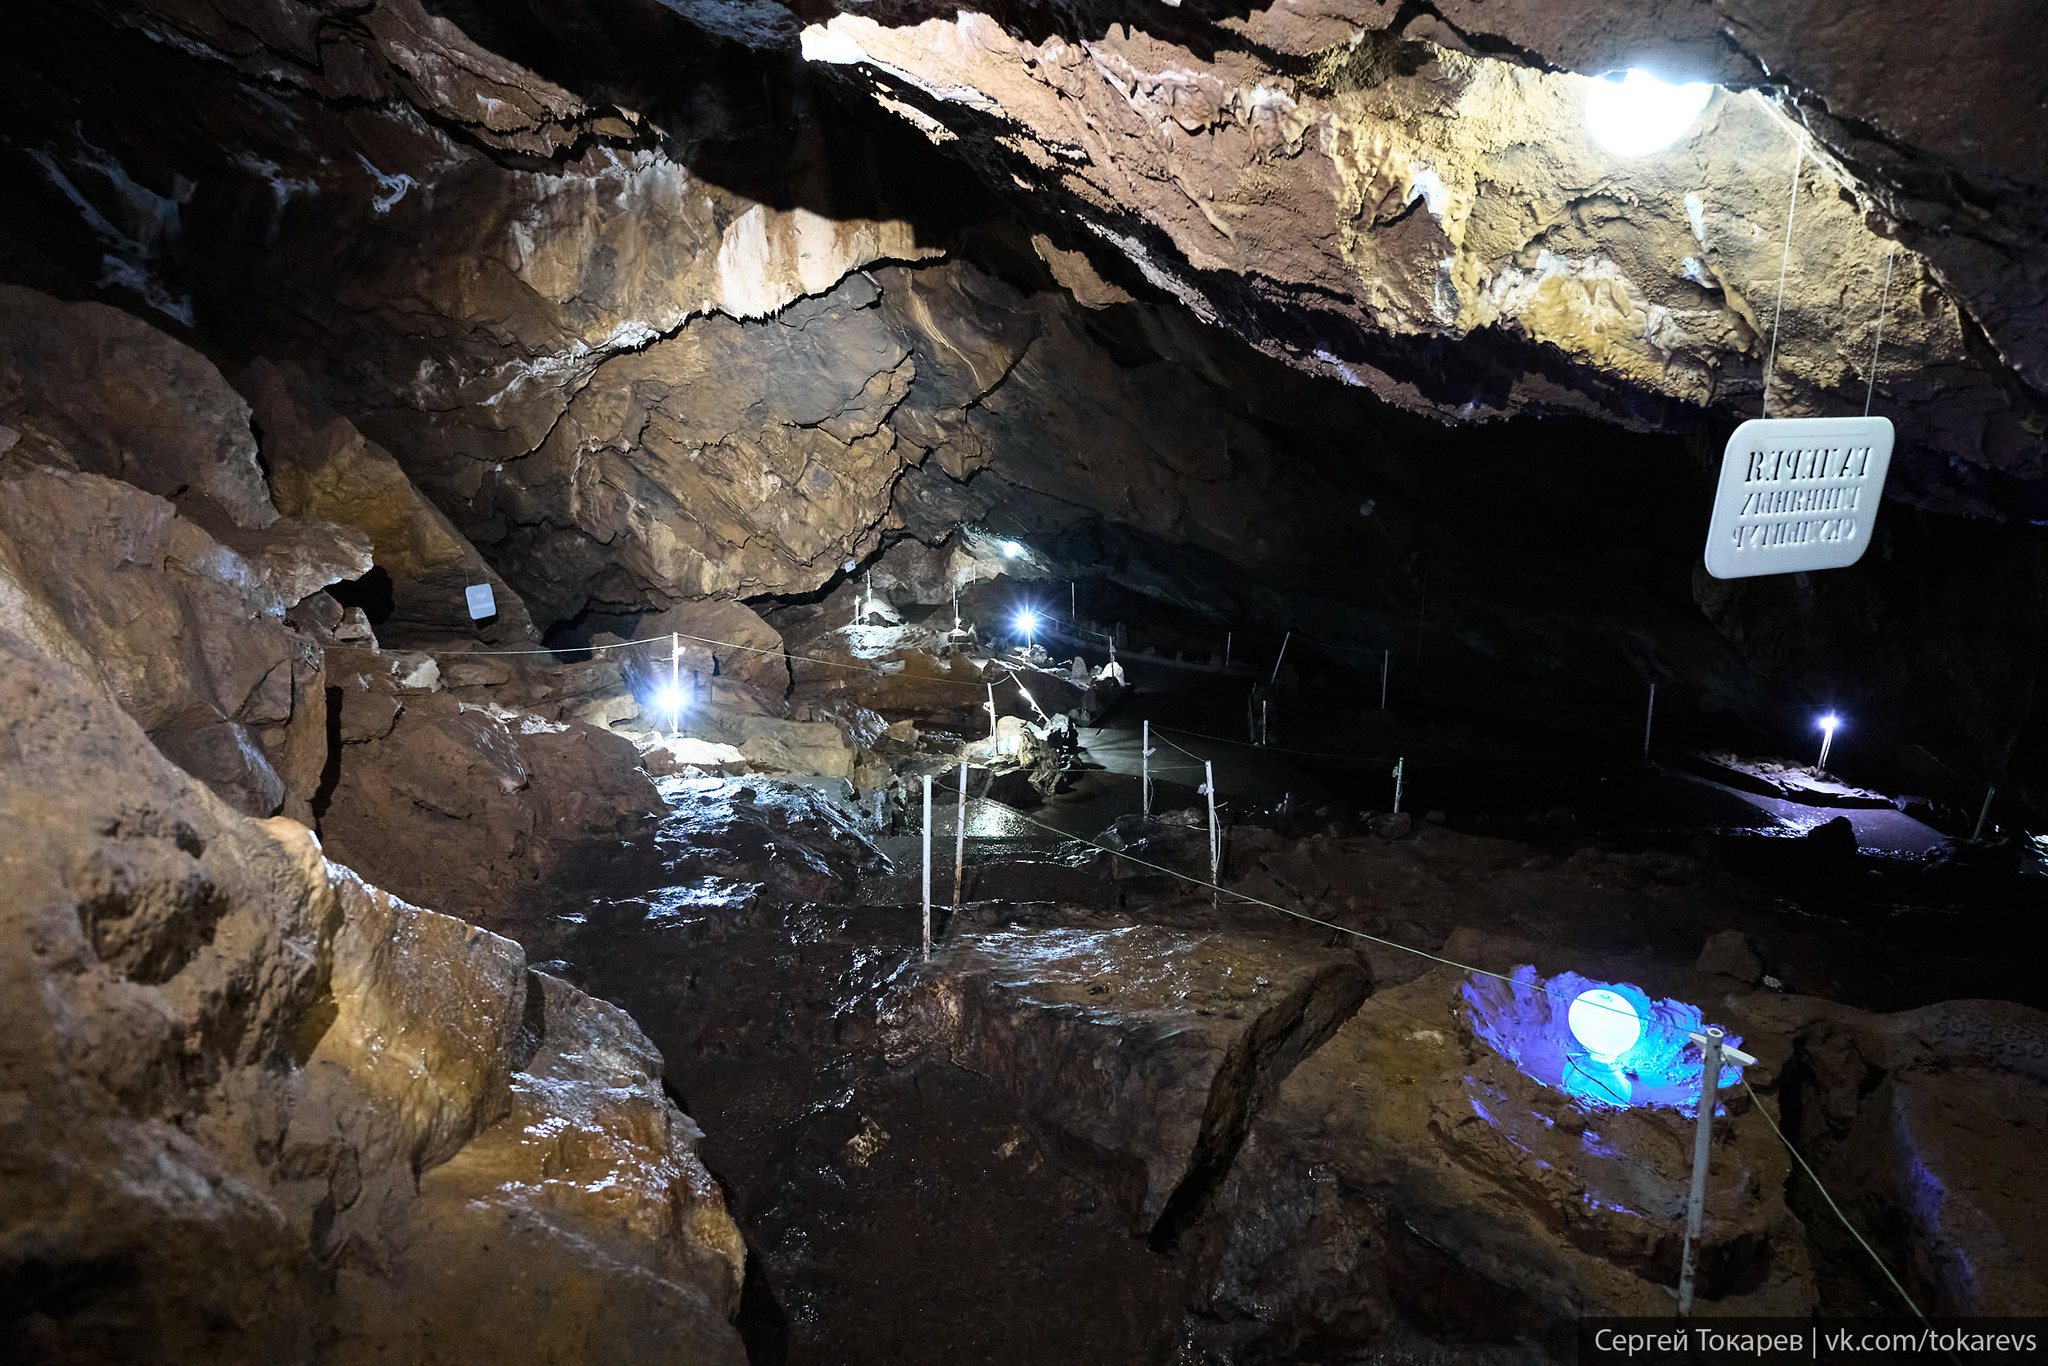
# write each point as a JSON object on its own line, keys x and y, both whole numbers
{"x": 481, "y": 603}
{"x": 1797, "y": 493}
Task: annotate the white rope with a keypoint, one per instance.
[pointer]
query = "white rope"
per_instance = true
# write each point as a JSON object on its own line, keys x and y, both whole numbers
{"x": 1883, "y": 298}
{"x": 1798, "y": 158}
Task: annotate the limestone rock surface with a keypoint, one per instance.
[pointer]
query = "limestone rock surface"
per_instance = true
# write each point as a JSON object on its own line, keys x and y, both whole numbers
{"x": 227, "y": 1063}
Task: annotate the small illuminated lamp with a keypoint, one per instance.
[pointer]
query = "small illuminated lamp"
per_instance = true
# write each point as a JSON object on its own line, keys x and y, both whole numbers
{"x": 1027, "y": 622}
{"x": 670, "y": 700}
{"x": 1606, "y": 1022}
{"x": 1632, "y": 113}
{"x": 1011, "y": 550}
{"x": 1827, "y": 736}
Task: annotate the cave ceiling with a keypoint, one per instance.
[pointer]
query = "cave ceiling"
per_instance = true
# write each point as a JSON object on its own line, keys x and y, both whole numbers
{"x": 664, "y": 302}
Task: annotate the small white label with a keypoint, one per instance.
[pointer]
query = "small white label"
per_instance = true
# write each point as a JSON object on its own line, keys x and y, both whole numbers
{"x": 481, "y": 603}
{"x": 1797, "y": 493}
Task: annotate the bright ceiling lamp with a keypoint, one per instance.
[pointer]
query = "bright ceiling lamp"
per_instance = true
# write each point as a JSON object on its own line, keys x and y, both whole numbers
{"x": 1634, "y": 114}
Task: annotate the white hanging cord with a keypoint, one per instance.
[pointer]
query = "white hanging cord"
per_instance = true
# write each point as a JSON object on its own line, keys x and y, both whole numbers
{"x": 1798, "y": 158}
{"x": 1883, "y": 298}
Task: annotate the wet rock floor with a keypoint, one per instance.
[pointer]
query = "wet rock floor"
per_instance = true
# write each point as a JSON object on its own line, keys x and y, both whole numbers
{"x": 909, "y": 1145}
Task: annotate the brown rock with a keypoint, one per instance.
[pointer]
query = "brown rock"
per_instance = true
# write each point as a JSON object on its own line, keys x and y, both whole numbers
{"x": 322, "y": 467}
{"x": 90, "y": 388}
{"x": 232, "y": 1071}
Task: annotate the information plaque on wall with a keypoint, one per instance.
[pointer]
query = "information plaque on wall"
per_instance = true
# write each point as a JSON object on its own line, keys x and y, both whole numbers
{"x": 1797, "y": 493}
{"x": 482, "y": 603}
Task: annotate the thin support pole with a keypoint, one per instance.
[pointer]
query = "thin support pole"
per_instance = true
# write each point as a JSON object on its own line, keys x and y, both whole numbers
{"x": 991, "y": 712}
{"x": 1649, "y": 720}
{"x": 1226, "y": 649}
{"x": 1713, "y": 1053}
{"x": 1215, "y": 835}
{"x": 1983, "y": 814}
{"x": 960, "y": 838}
{"x": 1827, "y": 742}
{"x": 927, "y": 866}
{"x": 1145, "y": 772}
{"x": 1265, "y": 720}
{"x": 1399, "y": 766}
{"x": 1282, "y": 655}
{"x": 1386, "y": 665}
{"x": 675, "y": 681}
{"x": 1073, "y": 603}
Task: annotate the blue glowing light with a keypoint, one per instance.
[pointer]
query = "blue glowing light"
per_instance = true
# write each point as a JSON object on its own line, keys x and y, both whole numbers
{"x": 1829, "y": 722}
{"x": 1529, "y": 1021}
{"x": 1027, "y": 622}
{"x": 1605, "y": 1022}
{"x": 669, "y": 698}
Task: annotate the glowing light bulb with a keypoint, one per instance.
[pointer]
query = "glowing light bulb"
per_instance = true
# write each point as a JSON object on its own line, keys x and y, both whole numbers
{"x": 669, "y": 699}
{"x": 1637, "y": 114}
{"x": 1605, "y": 1022}
{"x": 1011, "y": 550}
{"x": 1827, "y": 737}
{"x": 1027, "y": 622}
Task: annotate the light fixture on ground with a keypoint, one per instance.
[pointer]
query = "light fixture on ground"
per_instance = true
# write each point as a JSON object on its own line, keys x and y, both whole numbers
{"x": 1828, "y": 724}
{"x": 1632, "y": 113}
{"x": 1606, "y": 1022}
{"x": 669, "y": 699}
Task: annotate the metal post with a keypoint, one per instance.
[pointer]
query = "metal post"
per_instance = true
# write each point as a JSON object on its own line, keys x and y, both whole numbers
{"x": 960, "y": 838}
{"x": 1983, "y": 813}
{"x": 991, "y": 712}
{"x": 1215, "y": 836}
{"x": 927, "y": 865}
{"x": 1265, "y": 720}
{"x": 1073, "y": 604}
{"x": 1712, "y": 1054}
{"x": 675, "y": 680}
{"x": 1649, "y": 719}
{"x": 1399, "y": 764}
{"x": 1281, "y": 656}
{"x": 1226, "y": 649}
{"x": 1386, "y": 663}
{"x": 1145, "y": 772}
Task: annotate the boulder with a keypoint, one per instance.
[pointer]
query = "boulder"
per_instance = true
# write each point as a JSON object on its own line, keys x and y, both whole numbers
{"x": 1147, "y": 1048}
{"x": 322, "y": 468}
{"x": 181, "y": 629}
{"x": 91, "y": 388}
{"x": 234, "y": 1075}
{"x": 466, "y": 805}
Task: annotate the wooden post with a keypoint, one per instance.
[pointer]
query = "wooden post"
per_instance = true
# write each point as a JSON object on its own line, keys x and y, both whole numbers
{"x": 1145, "y": 772}
{"x": 1215, "y": 836}
{"x": 1649, "y": 719}
{"x": 960, "y": 838}
{"x": 927, "y": 865}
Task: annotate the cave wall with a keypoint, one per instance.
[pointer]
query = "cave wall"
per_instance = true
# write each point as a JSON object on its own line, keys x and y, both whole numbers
{"x": 655, "y": 309}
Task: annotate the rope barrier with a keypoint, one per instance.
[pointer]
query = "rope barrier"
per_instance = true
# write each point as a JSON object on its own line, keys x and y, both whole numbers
{"x": 1484, "y": 972}
{"x": 1815, "y": 1178}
